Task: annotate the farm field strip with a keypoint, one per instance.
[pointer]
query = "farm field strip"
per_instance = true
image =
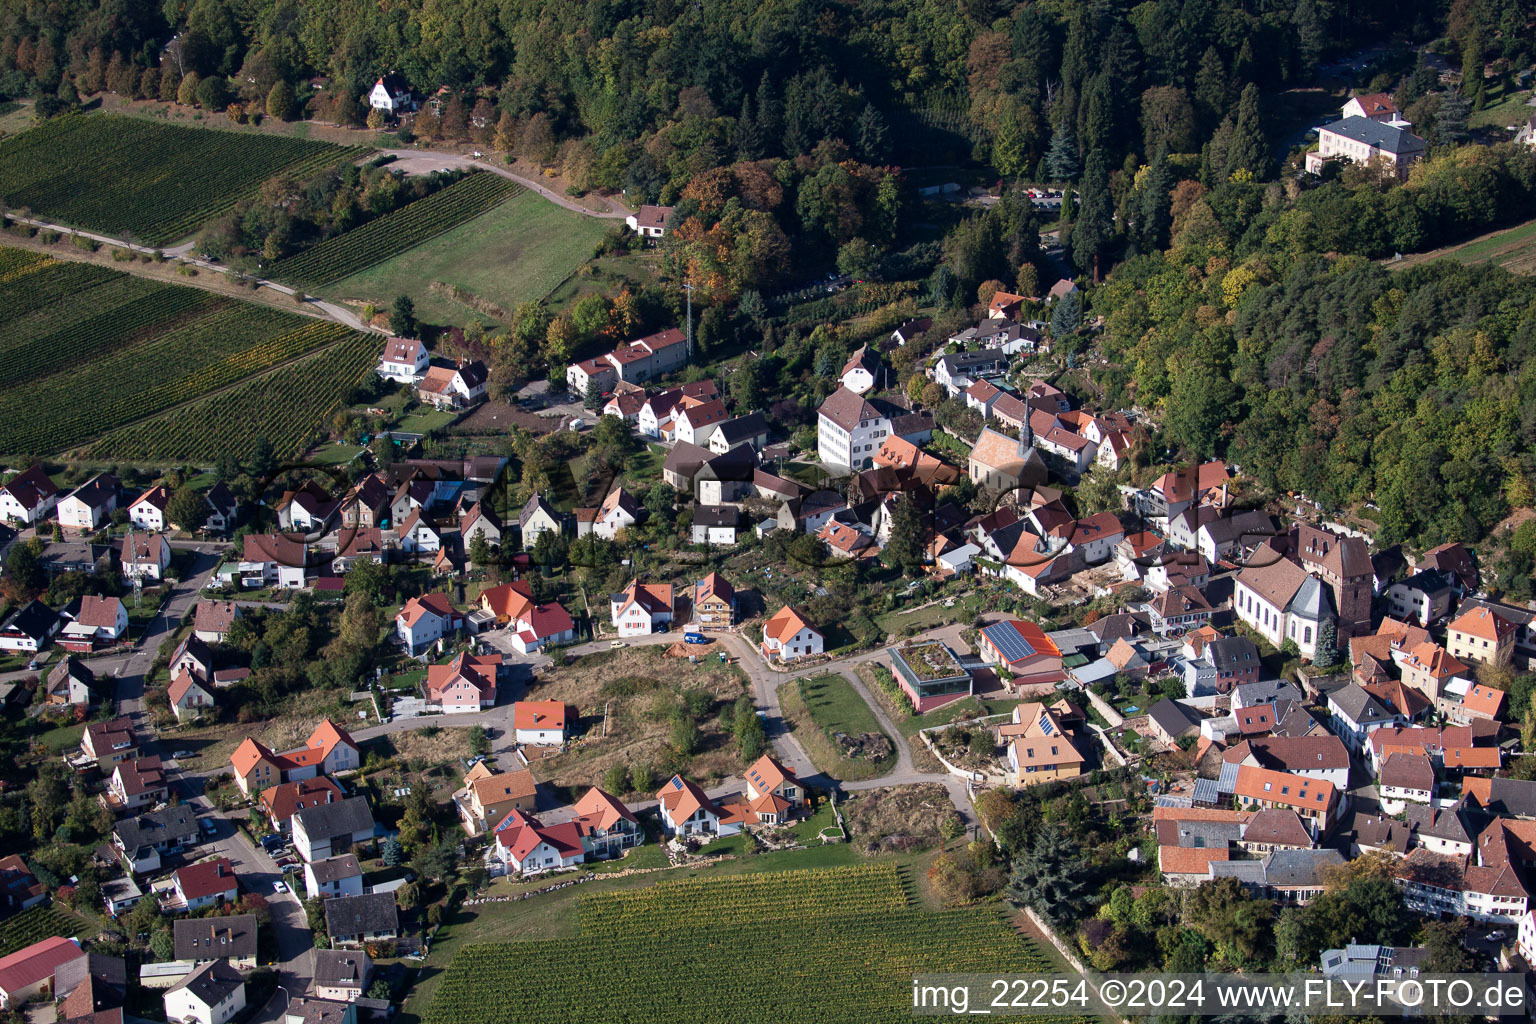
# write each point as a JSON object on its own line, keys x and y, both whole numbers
{"x": 35, "y": 925}
{"x": 395, "y": 232}
{"x": 286, "y": 406}
{"x": 153, "y": 182}
{"x": 32, "y": 302}
{"x": 124, "y": 349}
{"x": 838, "y": 944}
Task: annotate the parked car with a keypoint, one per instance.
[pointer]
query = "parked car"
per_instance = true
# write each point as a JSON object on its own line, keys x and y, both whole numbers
{"x": 182, "y": 755}
{"x": 279, "y": 887}
{"x": 617, "y": 643}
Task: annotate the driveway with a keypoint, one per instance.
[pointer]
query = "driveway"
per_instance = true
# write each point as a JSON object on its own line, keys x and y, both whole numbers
{"x": 425, "y": 161}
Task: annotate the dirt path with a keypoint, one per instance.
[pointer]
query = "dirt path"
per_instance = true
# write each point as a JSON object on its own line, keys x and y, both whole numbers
{"x": 425, "y": 161}
{"x": 312, "y": 307}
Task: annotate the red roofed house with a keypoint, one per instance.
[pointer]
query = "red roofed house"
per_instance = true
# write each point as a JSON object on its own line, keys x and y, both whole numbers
{"x": 1313, "y": 799}
{"x": 136, "y": 784}
{"x": 641, "y": 608}
{"x": 28, "y": 972}
{"x": 281, "y": 802}
{"x": 1482, "y": 636}
{"x": 541, "y": 624}
{"x": 465, "y": 684}
{"x": 148, "y": 510}
{"x": 203, "y": 885}
{"x": 597, "y": 827}
{"x": 329, "y": 749}
{"x": 453, "y": 387}
{"x": 424, "y": 620}
{"x": 687, "y": 810}
{"x": 187, "y": 696}
{"x": 100, "y": 621}
{"x": 650, "y": 221}
{"x": 1377, "y": 106}
{"x": 28, "y": 496}
{"x": 404, "y": 360}
{"x": 539, "y": 723}
{"x": 773, "y": 792}
{"x": 1023, "y": 648}
{"x": 787, "y": 636}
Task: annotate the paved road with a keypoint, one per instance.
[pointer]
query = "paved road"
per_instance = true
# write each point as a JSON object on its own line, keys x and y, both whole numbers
{"x": 314, "y": 307}
{"x": 423, "y": 161}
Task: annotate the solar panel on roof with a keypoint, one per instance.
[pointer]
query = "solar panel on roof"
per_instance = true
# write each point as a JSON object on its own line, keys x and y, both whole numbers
{"x": 1008, "y": 641}
{"x": 676, "y": 782}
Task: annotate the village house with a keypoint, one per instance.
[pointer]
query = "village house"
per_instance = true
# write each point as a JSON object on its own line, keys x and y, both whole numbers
{"x": 212, "y": 994}
{"x": 641, "y": 608}
{"x": 849, "y": 430}
{"x": 212, "y": 620}
{"x": 205, "y": 884}
{"x": 140, "y": 839}
{"x": 714, "y": 602}
{"x": 334, "y": 876}
{"x": 330, "y": 829}
{"x": 404, "y": 360}
{"x": 788, "y": 636}
{"x": 144, "y": 557}
{"x": 1038, "y": 747}
{"x": 29, "y": 628}
{"x": 342, "y": 974}
{"x": 100, "y": 622}
{"x": 687, "y": 810}
{"x": 1315, "y": 800}
{"x": 1367, "y": 142}
{"x": 230, "y": 940}
{"x": 357, "y": 920}
{"x": 1482, "y": 636}
{"x": 1022, "y": 649}
{"x": 489, "y": 796}
{"x": 88, "y": 506}
{"x": 147, "y": 511}
{"x": 273, "y": 560}
{"x": 453, "y": 387}
{"x": 187, "y": 696}
{"x": 70, "y": 682}
{"x": 327, "y": 751}
{"x": 649, "y": 221}
{"x": 774, "y": 795}
{"x": 109, "y": 742}
{"x": 1424, "y": 598}
{"x": 466, "y": 684}
{"x": 424, "y": 620}
{"x": 279, "y": 803}
{"x": 539, "y": 723}
{"x": 28, "y": 497}
{"x": 391, "y": 94}
{"x": 1406, "y": 778}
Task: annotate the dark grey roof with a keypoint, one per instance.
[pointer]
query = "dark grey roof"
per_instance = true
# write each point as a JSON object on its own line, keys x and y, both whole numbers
{"x": 166, "y": 825}
{"x": 1312, "y": 600}
{"x": 336, "y": 968}
{"x": 716, "y": 515}
{"x": 1359, "y": 706}
{"x": 1207, "y": 833}
{"x": 213, "y": 984}
{"x": 740, "y": 463}
{"x": 969, "y": 362}
{"x": 344, "y": 818}
{"x": 1250, "y": 872}
{"x": 108, "y": 973}
{"x": 1174, "y": 717}
{"x": 1265, "y": 691}
{"x": 334, "y": 869}
{"x": 533, "y": 505}
{"x": 1298, "y": 867}
{"x": 743, "y": 428}
{"x": 1119, "y": 625}
{"x": 1436, "y": 822}
{"x": 373, "y": 914}
{"x": 1246, "y": 528}
{"x": 1512, "y": 797}
{"x": 1385, "y": 137}
{"x": 317, "y": 1011}
{"x": 33, "y": 619}
{"x": 1377, "y": 831}
{"x": 209, "y": 938}
{"x": 912, "y": 423}
{"x": 1431, "y": 582}
{"x": 1234, "y": 654}
{"x": 1389, "y": 563}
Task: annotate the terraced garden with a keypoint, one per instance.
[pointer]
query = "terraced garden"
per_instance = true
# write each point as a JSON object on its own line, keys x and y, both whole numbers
{"x": 796, "y": 946}
{"x": 85, "y": 351}
{"x": 37, "y": 924}
{"x": 143, "y": 180}
{"x": 394, "y": 233}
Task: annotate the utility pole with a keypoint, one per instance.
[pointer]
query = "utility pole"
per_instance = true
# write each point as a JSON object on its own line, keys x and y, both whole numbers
{"x": 688, "y": 291}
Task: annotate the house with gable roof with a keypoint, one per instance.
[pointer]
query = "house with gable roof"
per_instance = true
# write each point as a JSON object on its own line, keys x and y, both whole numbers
{"x": 650, "y": 221}
{"x": 540, "y": 723}
{"x": 714, "y": 602}
{"x": 774, "y": 795}
{"x": 281, "y": 802}
{"x": 596, "y": 827}
{"x": 1021, "y": 647}
{"x": 404, "y": 360}
{"x": 28, "y": 497}
{"x": 88, "y": 506}
{"x": 538, "y": 516}
{"x": 148, "y": 510}
{"x": 788, "y": 636}
{"x": 489, "y": 796}
{"x": 1481, "y": 635}
{"x": 466, "y": 684}
{"x": 859, "y": 372}
{"x": 849, "y": 430}
{"x": 100, "y": 621}
{"x": 641, "y": 608}
{"x": 187, "y": 696}
{"x": 426, "y": 619}
{"x": 1039, "y": 747}
{"x": 329, "y": 749}
{"x": 453, "y": 387}
{"x": 687, "y": 810}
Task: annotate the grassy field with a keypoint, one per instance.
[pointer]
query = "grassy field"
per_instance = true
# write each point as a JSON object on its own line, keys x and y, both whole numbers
{"x": 85, "y": 350}
{"x": 519, "y": 251}
{"x": 396, "y": 232}
{"x": 1514, "y": 249}
{"x": 819, "y": 708}
{"x": 791, "y": 946}
{"x": 149, "y": 182}
{"x": 1502, "y": 112}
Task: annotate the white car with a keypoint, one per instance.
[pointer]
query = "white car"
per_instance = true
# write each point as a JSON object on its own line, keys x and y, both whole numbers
{"x": 617, "y": 643}
{"x": 279, "y": 887}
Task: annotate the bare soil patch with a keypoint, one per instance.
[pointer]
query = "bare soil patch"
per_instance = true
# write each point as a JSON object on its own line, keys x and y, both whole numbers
{"x": 901, "y": 818}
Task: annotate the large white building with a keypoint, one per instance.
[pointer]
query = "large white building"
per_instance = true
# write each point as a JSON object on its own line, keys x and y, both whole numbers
{"x": 1283, "y": 602}
{"x": 1364, "y": 141}
{"x": 849, "y": 431}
